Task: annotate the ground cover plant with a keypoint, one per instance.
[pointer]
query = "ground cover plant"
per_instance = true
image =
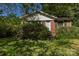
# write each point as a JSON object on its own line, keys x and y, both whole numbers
{"x": 68, "y": 33}
{"x": 61, "y": 47}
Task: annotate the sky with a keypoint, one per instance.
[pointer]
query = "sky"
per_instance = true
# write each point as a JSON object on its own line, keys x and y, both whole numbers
{"x": 17, "y": 9}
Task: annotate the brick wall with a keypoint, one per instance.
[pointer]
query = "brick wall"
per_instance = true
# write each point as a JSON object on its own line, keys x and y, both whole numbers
{"x": 52, "y": 26}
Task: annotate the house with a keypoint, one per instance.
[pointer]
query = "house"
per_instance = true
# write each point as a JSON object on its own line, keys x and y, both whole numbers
{"x": 63, "y": 22}
{"x": 44, "y": 18}
{"x": 51, "y": 22}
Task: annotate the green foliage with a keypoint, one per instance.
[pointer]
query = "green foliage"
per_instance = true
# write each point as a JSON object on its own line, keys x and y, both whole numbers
{"x": 35, "y": 30}
{"x": 63, "y": 10}
{"x": 4, "y": 30}
{"x": 60, "y": 9}
{"x": 13, "y": 47}
{"x": 76, "y": 21}
{"x": 72, "y": 32}
{"x": 9, "y": 26}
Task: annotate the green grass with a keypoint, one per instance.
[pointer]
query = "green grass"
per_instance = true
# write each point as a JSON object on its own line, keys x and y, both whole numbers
{"x": 64, "y": 47}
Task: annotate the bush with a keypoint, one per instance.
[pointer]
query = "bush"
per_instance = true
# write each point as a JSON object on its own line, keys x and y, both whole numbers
{"x": 9, "y": 27}
{"x": 4, "y": 30}
{"x": 35, "y": 30}
{"x": 12, "y": 27}
{"x": 72, "y": 32}
{"x": 75, "y": 21}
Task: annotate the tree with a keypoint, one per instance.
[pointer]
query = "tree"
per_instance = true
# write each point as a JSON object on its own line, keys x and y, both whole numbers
{"x": 33, "y": 7}
{"x": 59, "y": 9}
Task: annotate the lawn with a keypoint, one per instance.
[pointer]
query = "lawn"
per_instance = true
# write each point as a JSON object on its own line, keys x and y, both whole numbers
{"x": 54, "y": 47}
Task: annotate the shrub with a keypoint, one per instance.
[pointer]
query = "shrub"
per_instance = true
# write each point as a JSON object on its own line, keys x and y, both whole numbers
{"x": 75, "y": 21}
{"x": 35, "y": 30}
{"x": 72, "y": 32}
{"x": 9, "y": 26}
{"x": 4, "y": 29}
{"x": 12, "y": 27}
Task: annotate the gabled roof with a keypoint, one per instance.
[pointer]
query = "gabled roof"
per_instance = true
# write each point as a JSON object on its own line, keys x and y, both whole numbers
{"x": 41, "y": 12}
{"x": 56, "y": 19}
